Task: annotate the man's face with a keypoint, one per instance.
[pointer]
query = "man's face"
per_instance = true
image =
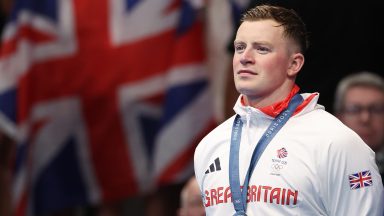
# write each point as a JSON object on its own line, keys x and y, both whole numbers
{"x": 363, "y": 112}
{"x": 261, "y": 59}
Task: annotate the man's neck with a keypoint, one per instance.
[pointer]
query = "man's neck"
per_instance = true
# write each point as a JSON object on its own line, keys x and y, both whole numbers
{"x": 260, "y": 102}
{"x": 280, "y": 94}
{"x": 269, "y": 100}
{"x": 273, "y": 108}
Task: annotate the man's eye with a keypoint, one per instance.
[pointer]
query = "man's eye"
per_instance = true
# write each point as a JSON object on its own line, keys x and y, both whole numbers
{"x": 239, "y": 47}
{"x": 262, "y": 50}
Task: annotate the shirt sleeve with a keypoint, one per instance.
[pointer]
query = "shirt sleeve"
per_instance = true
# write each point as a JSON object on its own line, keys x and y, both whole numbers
{"x": 199, "y": 161}
{"x": 352, "y": 182}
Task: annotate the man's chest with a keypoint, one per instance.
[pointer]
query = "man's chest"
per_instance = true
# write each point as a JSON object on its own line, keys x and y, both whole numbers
{"x": 284, "y": 175}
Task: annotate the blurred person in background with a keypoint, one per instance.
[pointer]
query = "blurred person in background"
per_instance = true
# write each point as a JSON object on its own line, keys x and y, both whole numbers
{"x": 190, "y": 199}
{"x": 359, "y": 103}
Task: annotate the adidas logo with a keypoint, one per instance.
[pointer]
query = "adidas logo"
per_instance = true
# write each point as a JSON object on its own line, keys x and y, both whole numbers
{"x": 215, "y": 166}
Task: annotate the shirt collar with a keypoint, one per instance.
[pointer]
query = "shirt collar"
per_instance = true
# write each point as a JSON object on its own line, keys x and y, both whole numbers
{"x": 274, "y": 109}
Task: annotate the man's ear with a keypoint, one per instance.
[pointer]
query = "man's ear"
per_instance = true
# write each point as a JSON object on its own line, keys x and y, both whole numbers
{"x": 296, "y": 63}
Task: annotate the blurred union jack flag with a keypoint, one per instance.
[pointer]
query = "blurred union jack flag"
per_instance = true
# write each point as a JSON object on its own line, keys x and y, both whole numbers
{"x": 360, "y": 179}
{"x": 106, "y": 98}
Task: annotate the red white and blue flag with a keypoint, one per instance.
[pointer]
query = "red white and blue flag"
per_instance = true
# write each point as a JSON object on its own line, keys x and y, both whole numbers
{"x": 360, "y": 180}
{"x": 106, "y": 98}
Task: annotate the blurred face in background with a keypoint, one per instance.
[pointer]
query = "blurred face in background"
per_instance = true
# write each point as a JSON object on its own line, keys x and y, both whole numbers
{"x": 191, "y": 201}
{"x": 363, "y": 112}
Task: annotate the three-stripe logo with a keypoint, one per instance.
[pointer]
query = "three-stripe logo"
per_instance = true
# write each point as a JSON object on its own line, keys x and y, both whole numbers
{"x": 215, "y": 166}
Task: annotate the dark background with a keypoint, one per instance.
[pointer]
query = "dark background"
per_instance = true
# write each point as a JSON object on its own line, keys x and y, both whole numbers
{"x": 345, "y": 37}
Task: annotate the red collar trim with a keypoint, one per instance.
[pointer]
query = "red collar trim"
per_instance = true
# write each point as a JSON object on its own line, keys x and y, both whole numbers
{"x": 274, "y": 109}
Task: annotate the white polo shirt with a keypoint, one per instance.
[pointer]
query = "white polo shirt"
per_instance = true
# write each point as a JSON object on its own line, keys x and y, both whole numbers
{"x": 315, "y": 165}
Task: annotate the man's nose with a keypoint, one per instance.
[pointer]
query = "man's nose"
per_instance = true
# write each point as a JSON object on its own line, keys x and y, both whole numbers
{"x": 365, "y": 115}
{"x": 247, "y": 57}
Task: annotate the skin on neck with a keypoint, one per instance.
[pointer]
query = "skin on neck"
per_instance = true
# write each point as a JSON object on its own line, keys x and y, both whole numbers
{"x": 259, "y": 101}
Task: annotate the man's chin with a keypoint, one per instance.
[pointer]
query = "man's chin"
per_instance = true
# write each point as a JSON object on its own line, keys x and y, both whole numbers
{"x": 246, "y": 90}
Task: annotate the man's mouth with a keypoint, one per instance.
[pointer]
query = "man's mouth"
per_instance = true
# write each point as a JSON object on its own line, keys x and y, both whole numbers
{"x": 246, "y": 72}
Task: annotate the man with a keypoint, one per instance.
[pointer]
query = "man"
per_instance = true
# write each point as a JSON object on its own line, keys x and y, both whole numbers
{"x": 359, "y": 103}
{"x": 282, "y": 153}
{"x": 190, "y": 198}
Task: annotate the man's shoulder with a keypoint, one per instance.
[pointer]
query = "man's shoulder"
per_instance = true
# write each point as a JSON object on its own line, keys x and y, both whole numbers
{"x": 215, "y": 140}
{"x": 326, "y": 128}
{"x": 322, "y": 120}
{"x": 208, "y": 156}
{"x": 222, "y": 130}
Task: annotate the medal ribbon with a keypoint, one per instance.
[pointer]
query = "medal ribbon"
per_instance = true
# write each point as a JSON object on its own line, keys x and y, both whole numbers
{"x": 239, "y": 196}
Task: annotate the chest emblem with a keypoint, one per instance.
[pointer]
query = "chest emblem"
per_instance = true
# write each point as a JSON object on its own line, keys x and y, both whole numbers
{"x": 279, "y": 163}
{"x": 282, "y": 153}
